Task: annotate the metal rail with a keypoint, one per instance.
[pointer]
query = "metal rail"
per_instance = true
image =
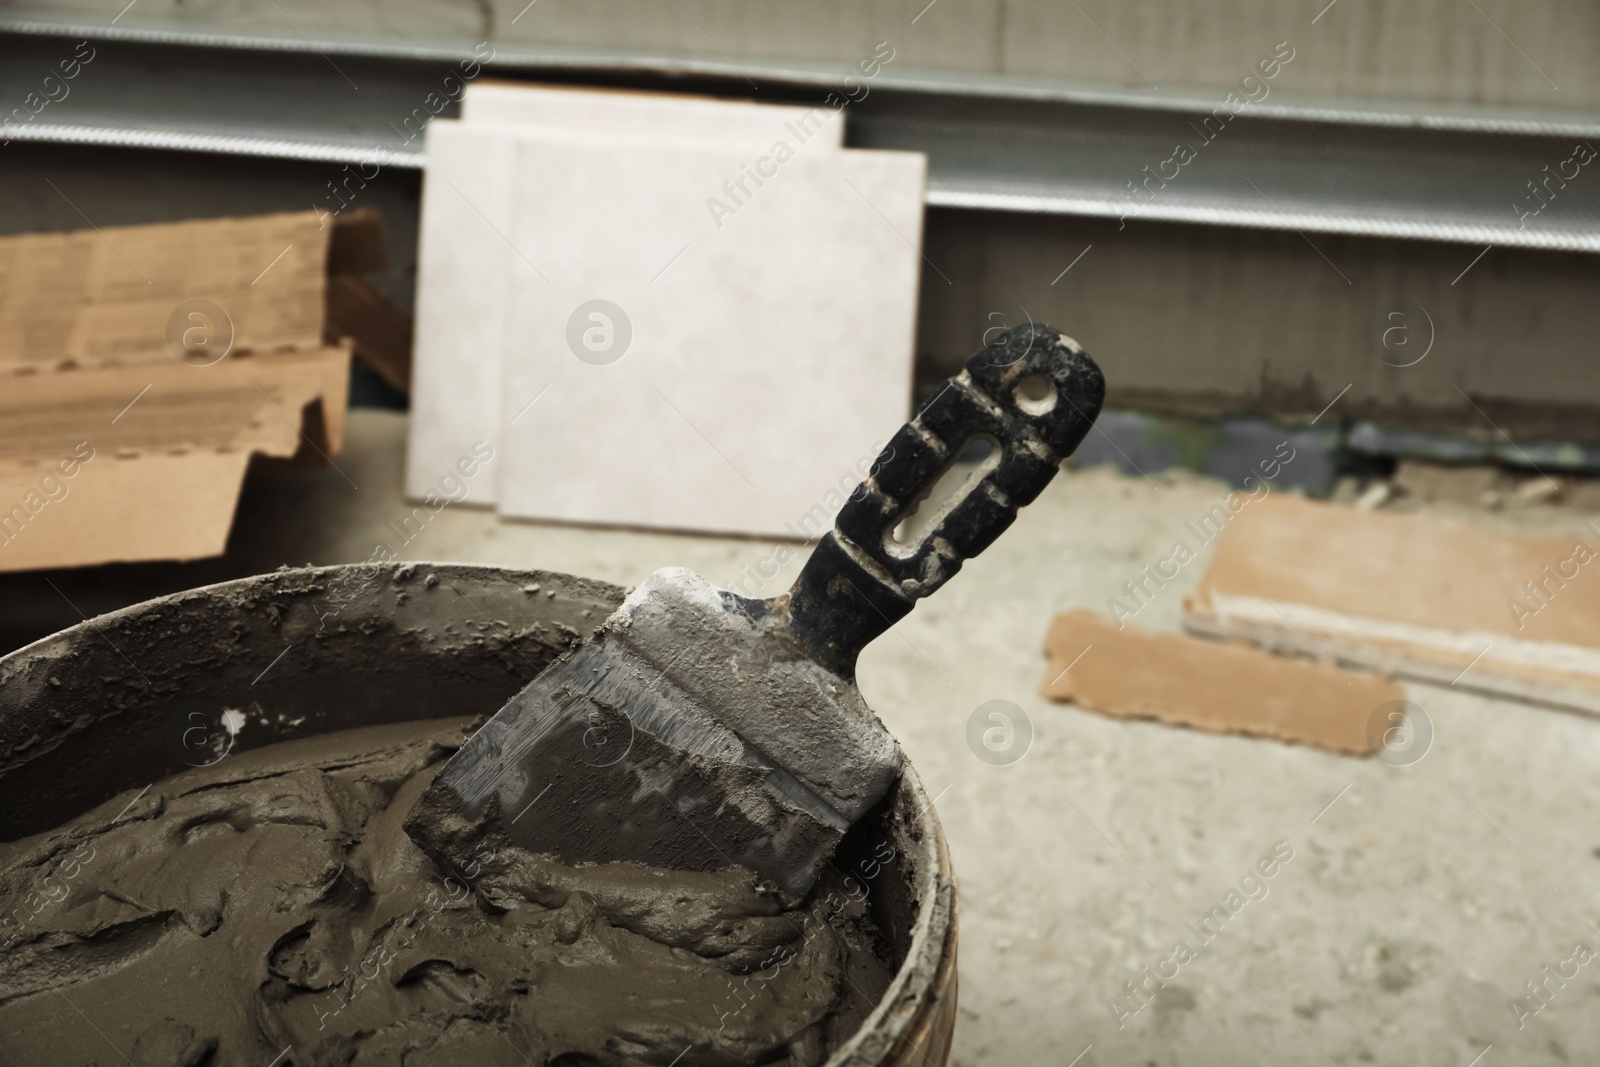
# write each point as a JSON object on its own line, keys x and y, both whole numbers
{"x": 1476, "y": 176}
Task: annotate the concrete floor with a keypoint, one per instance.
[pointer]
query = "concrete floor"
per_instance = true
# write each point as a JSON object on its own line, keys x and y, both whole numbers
{"x": 1417, "y": 901}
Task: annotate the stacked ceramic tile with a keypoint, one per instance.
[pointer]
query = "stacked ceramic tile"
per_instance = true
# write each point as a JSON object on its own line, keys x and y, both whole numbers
{"x": 661, "y": 311}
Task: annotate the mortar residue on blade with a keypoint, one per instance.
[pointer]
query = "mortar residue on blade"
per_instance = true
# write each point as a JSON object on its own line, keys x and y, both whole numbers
{"x": 739, "y": 748}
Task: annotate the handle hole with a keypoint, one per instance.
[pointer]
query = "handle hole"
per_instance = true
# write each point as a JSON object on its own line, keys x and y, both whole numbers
{"x": 972, "y": 462}
{"x": 1036, "y": 394}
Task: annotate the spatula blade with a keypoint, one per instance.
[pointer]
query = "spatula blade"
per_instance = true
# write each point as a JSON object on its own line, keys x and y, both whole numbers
{"x": 666, "y": 741}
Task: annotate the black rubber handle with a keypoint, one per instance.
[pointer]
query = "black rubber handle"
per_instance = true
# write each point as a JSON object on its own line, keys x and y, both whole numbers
{"x": 1031, "y": 391}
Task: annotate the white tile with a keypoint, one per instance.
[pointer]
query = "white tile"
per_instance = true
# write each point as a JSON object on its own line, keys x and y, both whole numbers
{"x": 622, "y": 113}
{"x": 466, "y": 212}
{"x": 771, "y": 347}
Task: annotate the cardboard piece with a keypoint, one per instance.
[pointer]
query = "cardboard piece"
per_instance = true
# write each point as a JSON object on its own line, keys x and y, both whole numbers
{"x": 357, "y": 243}
{"x": 1217, "y": 687}
{"x": 769, "y": 341}
{"x": 1413, "y": 596}
{"x": 95, "y": 297}
{"x": 378, "y": 328}
{"x": 464, "y": 258}
{"x": 163, "y": 479}
{"x": 112, "y": 447}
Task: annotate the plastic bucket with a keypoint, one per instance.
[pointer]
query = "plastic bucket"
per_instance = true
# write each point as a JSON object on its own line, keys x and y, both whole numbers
{"x": 110, "y": 705}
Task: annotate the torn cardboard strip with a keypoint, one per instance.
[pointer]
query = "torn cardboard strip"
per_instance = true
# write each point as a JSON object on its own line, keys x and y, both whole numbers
{"x": 91, "y": 298}
{"x": 1411, "y": 596}
{"x": 145, "y": 461}
{"x": 1218, "y": 687}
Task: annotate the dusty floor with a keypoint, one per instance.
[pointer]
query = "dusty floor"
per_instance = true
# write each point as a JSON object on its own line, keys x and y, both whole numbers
{"x": 1416, "y": 904}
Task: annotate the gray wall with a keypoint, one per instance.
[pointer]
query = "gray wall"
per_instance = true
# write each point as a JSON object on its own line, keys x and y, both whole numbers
{"x": 1445, "y": 50}
{"x": 1210, "y": 320}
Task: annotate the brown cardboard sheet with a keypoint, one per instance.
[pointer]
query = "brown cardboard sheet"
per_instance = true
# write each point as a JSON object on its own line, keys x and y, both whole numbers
{"x": 357, "y": 242}
{"x": 1413, "y": 596}
{"x": 1219, "y": 687}
{"x": 378, "y": 327}
{"x": 95, "y": 297}
{"x": 145, "y": 461}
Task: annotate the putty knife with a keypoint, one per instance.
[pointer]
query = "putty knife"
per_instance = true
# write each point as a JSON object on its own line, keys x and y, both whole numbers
{"x": 699, "y": 729}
